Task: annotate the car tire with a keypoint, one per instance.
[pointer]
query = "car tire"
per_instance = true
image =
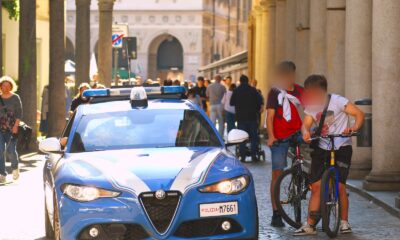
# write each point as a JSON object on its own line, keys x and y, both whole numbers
{"x": 47, "y": 224}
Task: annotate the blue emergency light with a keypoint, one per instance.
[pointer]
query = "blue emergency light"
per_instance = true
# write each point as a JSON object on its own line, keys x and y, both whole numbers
{"x": 111, "y": 92}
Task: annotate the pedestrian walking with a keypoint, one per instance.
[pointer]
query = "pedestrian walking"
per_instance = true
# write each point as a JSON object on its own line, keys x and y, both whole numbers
{"x": 79, "y": 99}
{"x": 229, "y": 109}
{"x": 283, "y": 123}
{"x": 247, "y": 102}
{"x": 215, "y": 92}
{"x": 10, "y": 116}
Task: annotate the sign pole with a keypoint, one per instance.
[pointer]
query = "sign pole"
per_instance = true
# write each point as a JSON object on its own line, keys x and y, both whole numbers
{"x": 115, "y": 66}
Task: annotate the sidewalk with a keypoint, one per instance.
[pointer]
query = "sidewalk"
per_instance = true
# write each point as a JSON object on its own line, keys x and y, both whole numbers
{"x": 386, "y": 200}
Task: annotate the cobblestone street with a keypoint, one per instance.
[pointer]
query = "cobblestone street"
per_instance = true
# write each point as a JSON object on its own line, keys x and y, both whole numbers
{"x": 23, "y": 217}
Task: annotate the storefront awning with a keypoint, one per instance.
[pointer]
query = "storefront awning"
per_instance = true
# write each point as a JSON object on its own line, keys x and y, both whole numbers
{"x": 234, "y": 68}
{"x": 238, "y": 58}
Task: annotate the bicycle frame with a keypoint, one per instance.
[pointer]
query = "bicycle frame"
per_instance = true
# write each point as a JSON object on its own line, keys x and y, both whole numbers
{"x": 332, "y": 167}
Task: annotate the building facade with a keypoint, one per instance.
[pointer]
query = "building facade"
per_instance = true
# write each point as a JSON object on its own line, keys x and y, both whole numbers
{"x": 10, "y": 38}
{"x": 354, "y": 43}
{"x": 174, "y": 37}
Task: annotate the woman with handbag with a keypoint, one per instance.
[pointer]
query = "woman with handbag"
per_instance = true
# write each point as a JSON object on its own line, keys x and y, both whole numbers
{"x": 10, "y": 116}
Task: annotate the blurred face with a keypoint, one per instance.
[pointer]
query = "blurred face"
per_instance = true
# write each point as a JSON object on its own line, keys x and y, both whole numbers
{"x": 314, "y": 96}
{"x": 200, "y": 83}
{"x": 82, "y": 90}
{"x": 285, "y": 80}
{"x": 6, "y": 87}
{"x": 228, "y": 81}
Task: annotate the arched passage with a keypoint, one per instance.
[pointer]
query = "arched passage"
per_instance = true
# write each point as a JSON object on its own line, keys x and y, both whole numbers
{"x": 166, "y": 58}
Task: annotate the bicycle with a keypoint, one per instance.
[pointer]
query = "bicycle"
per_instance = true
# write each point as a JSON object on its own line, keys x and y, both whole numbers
{"x": 292, "y": 190}
{"x": 329, "y": 195}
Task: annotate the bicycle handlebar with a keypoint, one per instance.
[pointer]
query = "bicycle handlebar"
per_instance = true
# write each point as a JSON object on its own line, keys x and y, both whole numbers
{"x": 335, "y": 136}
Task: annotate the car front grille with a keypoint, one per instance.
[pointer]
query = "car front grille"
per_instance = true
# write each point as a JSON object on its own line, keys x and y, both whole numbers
{"x": 160, "y": 211}
{"x": 115, "y": 231}
{"x": 207, "y": 227}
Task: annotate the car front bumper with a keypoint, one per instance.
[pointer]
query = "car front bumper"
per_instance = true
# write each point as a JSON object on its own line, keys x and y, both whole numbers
{"x": 126, "y": 212}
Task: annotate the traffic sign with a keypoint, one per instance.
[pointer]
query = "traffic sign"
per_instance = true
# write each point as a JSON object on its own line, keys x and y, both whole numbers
{"x": 119, "y": 31}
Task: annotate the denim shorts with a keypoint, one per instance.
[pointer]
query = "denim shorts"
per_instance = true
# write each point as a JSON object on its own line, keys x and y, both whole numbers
{"x": 279, "y": 151}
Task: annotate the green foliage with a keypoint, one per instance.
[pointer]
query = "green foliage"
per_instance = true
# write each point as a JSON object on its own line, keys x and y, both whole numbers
{"x": 12, "y": 7}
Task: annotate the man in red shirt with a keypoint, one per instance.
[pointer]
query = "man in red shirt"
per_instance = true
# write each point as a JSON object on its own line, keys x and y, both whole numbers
{"x": 283, "y": 123}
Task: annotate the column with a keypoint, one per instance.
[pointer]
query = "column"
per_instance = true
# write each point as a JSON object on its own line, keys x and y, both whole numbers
{"x": 290, "y": 30}
{"x": 385, "y": 174}
{"x": 317, "y": 36}
{"x": 262, "y": 55}
{"x": 280, "y": 31}
{"x": 358, "y": 79}
{"x": 302, "y": 39}
{"x": 335, "y": 38}
{"x": 271, "y": 32}
{"x": 82, "y": 41}
{"x": 104, "y": 44}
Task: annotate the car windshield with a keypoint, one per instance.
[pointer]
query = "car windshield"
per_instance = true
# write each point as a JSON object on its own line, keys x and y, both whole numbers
{"x": 143, "y": 129}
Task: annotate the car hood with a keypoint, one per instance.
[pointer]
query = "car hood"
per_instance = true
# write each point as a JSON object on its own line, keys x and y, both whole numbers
{"x": 144, "y": 170}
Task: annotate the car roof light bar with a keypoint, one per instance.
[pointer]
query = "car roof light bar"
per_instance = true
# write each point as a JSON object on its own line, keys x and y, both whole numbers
{"x": 110, "y": 92}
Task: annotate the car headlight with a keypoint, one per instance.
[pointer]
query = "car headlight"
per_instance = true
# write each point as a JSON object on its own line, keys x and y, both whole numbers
{"x": 86, "y": 193}
{"x": 229, "y": 186}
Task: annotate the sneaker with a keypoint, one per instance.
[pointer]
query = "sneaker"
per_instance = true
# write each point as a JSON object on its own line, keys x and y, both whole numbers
{"x": 15, "y": 174}
{"x": 242, "y": 159}
{"x": 3, "y": 179}
{"x": 304, "y": 230}
{"x": 345, "y": 227}
{"x": 277, "y": 221}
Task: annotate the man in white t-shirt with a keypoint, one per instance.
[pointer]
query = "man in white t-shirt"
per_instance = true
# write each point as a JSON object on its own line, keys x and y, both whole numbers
{"x": 339, "y": 110}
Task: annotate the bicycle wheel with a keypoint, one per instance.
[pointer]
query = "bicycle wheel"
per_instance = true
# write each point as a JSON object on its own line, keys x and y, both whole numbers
{"x": 292, "y": 195}
{"x": 330, "y": 204}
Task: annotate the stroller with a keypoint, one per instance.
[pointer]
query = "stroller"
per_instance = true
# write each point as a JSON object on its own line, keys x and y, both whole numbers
{"x": 260, "y": 152}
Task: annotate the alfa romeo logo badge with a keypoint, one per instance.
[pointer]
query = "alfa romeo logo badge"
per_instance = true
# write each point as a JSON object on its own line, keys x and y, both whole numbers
{"x": 160, "y": 194}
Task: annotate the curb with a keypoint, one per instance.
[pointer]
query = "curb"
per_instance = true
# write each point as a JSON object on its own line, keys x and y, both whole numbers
{"x": 365, "y": 194}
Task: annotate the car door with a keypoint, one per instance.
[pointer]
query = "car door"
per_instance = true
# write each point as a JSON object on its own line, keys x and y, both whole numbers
{"x": 49, "y": 171}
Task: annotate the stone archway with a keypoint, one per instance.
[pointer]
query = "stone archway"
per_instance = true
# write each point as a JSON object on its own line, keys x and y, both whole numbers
{"x": 166, "y": 58}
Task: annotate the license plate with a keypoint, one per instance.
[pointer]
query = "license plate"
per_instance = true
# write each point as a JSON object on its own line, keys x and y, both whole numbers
{"x": 218, "y": 209}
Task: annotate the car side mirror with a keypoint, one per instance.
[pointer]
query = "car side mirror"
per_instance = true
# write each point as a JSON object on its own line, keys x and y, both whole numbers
{"x": 236, "y": 136}
{"x": 50, "y": 145}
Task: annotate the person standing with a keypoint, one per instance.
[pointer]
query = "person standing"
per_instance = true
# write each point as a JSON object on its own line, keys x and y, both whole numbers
{"x": 10, "y": 116}
{"x": 44, "y": 123}
{"x": 79, "y": 98}
{"x": 229, "y": 110}
{"x": 200, "y": 90}
{"x": 283, "y": 124}
{"x": 215, "y": 92}
{"x": 247, "y": 102}
{"x": 227, "y": 82}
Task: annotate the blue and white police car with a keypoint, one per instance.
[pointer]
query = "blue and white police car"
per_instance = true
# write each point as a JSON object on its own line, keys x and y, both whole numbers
{"x": 140, "y": 163}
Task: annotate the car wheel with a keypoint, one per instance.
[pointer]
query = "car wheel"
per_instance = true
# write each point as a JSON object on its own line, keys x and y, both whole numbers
{"x": 56, "y": 221}
{"x": 47, "y": 224}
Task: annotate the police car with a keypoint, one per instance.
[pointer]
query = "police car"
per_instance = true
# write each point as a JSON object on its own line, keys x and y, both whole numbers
{"x": 140, "y": 163}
